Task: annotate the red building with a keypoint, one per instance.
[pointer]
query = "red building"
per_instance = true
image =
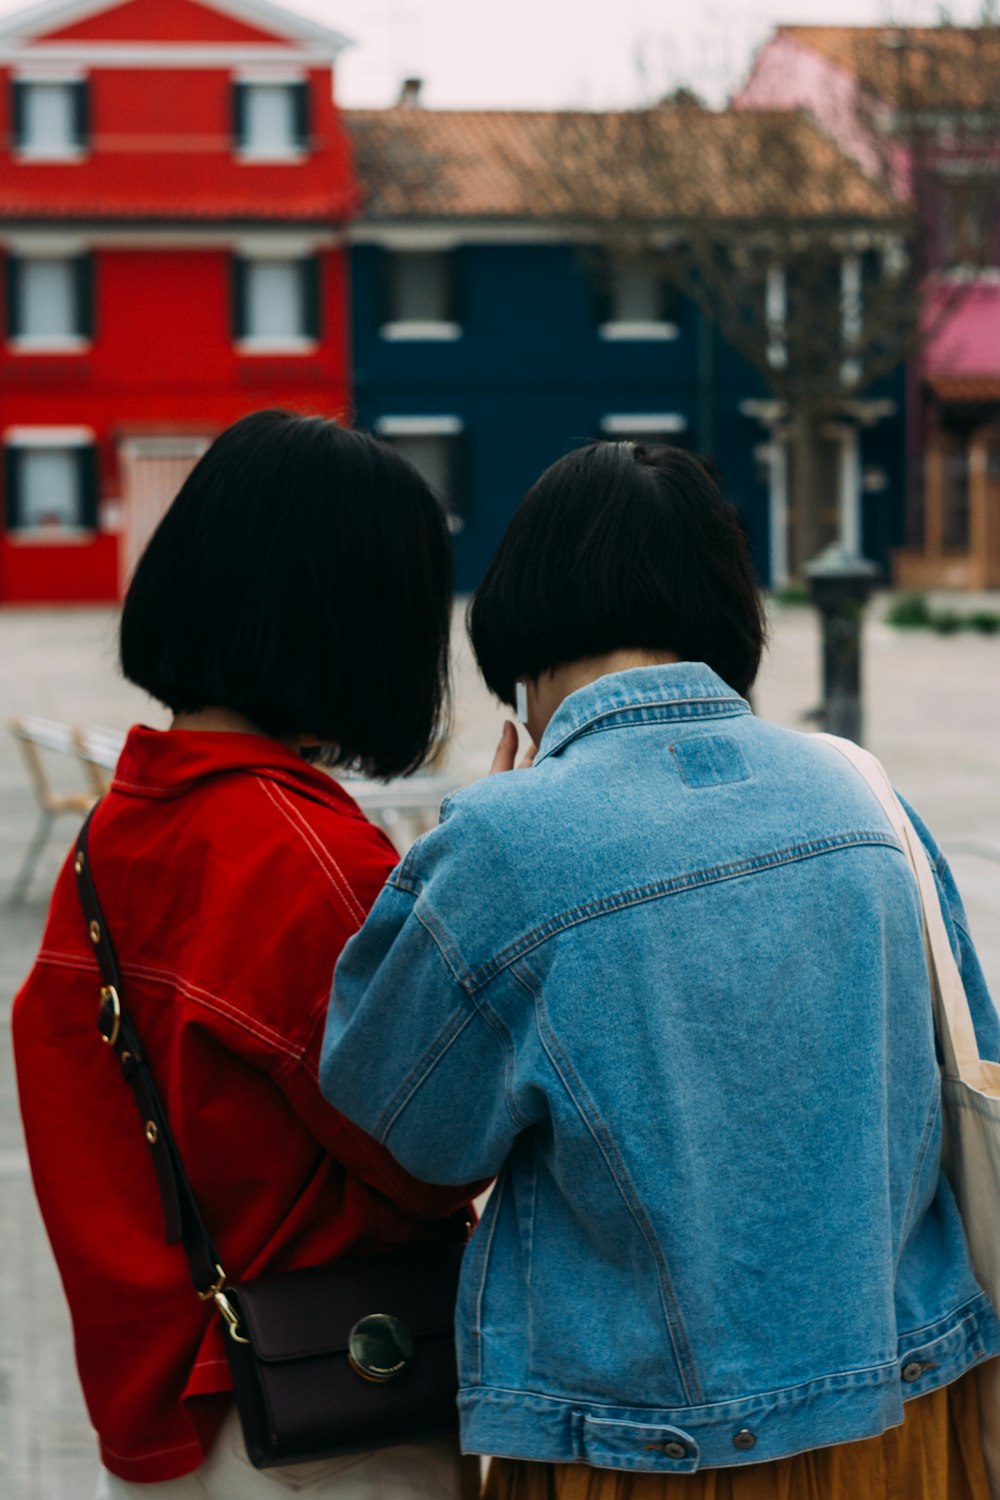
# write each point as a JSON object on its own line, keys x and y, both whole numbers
{"x": 173, "y": 181}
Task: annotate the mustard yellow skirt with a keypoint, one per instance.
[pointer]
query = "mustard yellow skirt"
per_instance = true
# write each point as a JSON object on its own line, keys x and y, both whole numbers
{"x": 937, "y": 1454}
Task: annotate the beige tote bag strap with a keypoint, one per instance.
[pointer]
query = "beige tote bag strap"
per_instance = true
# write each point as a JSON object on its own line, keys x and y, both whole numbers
{"x": 956, "y": 1032}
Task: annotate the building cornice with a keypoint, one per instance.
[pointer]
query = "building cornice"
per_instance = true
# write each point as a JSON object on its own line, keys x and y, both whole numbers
{"x": 56, "y": 15}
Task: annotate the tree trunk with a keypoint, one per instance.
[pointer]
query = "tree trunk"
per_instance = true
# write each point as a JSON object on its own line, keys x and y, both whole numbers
{"x": 806, "y": 503}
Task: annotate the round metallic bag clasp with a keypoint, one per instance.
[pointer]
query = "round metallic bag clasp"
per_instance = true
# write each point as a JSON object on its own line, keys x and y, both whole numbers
{"x": 379, "y": 1348}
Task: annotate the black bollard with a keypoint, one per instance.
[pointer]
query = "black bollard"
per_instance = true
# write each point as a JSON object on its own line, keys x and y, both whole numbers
{"x": 840, "y": 585}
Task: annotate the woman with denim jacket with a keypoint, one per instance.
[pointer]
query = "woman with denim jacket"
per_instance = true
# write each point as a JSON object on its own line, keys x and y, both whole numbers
{"x": 668, "y": 983}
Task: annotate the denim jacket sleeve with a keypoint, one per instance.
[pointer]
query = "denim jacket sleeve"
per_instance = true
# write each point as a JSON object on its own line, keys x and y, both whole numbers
{"x": 408, "y": 1055}
{"x": 984, "y": 1014}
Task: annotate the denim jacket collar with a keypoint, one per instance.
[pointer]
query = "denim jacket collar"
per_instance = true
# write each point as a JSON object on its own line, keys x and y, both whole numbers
{"x": 683, "y": 689}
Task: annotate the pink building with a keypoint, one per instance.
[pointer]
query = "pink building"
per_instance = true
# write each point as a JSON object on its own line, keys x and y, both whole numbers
{"x": 865, "y": 85}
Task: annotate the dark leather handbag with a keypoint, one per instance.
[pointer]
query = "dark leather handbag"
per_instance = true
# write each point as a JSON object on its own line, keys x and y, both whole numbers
{"x": 331, "y": 1359}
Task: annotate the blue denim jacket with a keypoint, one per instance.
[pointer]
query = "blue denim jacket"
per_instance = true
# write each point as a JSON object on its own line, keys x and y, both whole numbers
{"x": 669, "y": 984}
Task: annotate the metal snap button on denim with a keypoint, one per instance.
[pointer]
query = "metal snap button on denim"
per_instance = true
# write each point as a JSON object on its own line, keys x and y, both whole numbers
{"x": 744, "y": 1439}
{"x": 675, "y": 1450}
{"x": 379, "y": 1348}
{"x": 912, "y": 1371}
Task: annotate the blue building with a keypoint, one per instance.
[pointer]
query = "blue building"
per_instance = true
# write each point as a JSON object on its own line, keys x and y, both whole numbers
{"x": 490, "y": 338}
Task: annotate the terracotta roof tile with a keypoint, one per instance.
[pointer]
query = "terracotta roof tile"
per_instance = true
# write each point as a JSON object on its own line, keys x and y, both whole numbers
{"x": 666, "y": 164}
{"x": 914, "y": 66}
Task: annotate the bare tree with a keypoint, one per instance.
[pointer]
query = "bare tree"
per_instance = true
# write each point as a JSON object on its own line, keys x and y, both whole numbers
{"x": 826, "y": 247}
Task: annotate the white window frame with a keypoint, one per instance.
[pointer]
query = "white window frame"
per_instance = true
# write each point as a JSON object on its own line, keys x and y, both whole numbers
{"x": 647, "y": 423}
{"x": 431, "y": 426}
{"x": 421, "y": 330}
{"x": 637, "y": 330}
{"x": 61, "y": 438}
{"x": 49, "y": 343}
{"x": 294, "y": 152}
{"x": 295, "y": 344}
{"x": 71, "y": 152}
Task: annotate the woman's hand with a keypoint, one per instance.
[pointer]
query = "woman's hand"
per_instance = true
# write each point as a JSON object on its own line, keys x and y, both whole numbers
{"x": 505, "y": 758}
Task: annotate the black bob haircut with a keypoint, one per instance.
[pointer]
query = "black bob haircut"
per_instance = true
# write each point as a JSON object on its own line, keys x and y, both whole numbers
{"x": 618, "y": 547}
{"x": 302, "y": 578}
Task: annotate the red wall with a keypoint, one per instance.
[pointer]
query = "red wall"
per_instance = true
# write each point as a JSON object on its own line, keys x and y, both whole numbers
{"x": 162, "y": 359}
{"x": 162, "y": 147}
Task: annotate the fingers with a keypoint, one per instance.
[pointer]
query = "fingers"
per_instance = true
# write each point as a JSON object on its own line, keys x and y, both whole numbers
{"x": 506, "y": 751}
{"x": 528, "y": 758}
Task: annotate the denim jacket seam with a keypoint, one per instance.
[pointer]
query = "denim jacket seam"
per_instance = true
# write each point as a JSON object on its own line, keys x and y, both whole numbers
{"x": 618, "y": 1171}
{"x": 933, "y": 1112}
{"x": 661, "y": 889}
{"x": 502, "y": 1033}
{"x": 657, "y": 711}
{"x": 450, "y": 955}
{"x": 452, "y": 1029}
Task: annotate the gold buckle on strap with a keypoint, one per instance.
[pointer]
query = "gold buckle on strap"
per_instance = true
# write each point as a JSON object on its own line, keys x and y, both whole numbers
{"x": 225, "y": 1307}
{"x": 109, "y": 1029}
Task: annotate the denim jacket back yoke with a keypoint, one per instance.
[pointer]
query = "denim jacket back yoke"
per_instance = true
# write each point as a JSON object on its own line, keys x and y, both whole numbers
{"x": 669, "y": 984}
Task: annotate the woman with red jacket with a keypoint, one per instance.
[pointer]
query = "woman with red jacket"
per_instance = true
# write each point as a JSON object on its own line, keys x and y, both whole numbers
{"x": 292, "y": 605}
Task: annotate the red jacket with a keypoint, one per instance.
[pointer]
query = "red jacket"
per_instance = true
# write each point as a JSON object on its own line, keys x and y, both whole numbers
{"x": 231, "y": 874}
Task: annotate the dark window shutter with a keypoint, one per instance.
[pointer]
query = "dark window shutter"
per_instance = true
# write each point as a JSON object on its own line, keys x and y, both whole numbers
{"x": 239, "y": 105}
{"x": 458, "y": 476}
{"x": 600, "y": 280}
{"x": 668, "y": 302}
{"x": 454, "y": 264}
{"x": 300, "y": 105}
{"x": 83, "y": 273}
{"x": 311, "y": 309}
{"x": 18, "y": 110}
{"x": 12, "y": 487}
{"x": 81, "y": 113}
{"x": 15, "y": 321}
{"x": 239, "y": 291}
{"x": 388, "y": 298}
{"x": 88, "y": 479}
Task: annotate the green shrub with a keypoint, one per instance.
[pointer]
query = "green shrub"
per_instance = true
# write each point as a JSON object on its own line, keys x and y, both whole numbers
{"x": 986, "y": 621}
{"x": 946, "y": 621}
{"x": 910, "y": 612}
{"x": 792, "y": 593}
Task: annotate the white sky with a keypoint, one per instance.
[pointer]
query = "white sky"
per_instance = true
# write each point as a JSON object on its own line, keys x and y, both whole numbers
{"x": 548, "y": 53}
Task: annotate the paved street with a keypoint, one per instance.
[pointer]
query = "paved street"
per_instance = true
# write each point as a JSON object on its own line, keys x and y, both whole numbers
{"x": 933, "y": 716}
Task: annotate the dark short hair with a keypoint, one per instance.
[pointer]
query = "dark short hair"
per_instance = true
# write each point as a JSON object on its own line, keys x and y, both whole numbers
{"x": 619, "y": 547}
{"x": 302, "y": 577}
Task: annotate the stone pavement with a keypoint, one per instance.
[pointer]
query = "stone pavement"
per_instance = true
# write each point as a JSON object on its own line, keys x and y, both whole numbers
{"x": 933, "y": 706}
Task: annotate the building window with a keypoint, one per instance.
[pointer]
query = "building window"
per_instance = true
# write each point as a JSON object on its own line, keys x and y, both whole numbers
{"x": 433, "y": 445}
{"x": 50, "y": 119}
{"x": 420, "y": 295}
{"x": 651, "y": 429}
{"x": 50, "y": 302}
{"x": 271, "y": 120}
{"x": 276, "y": 303}
{"x": 636, "y": 301}
{"x": 969, "y": 221}
{"x": 50, "y": 487}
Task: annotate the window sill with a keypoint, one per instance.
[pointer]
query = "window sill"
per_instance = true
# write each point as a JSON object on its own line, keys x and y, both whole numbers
{"x": 292, "y": 157}
{"x": 51, "y": 536}
{"x": 292, "y": 347}
{"x": 638, "y": 332}
{"x": 416, "y": 332}
{"x": 69, "y": 154}
{"x": 27, "y": 344}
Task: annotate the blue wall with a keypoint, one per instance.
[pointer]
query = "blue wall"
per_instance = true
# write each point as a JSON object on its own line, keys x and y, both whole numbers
{"x": 530, "y": 378}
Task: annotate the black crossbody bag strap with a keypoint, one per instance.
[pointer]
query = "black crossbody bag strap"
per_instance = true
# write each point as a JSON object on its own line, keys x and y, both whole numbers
{"x": 181, "y": 1213}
